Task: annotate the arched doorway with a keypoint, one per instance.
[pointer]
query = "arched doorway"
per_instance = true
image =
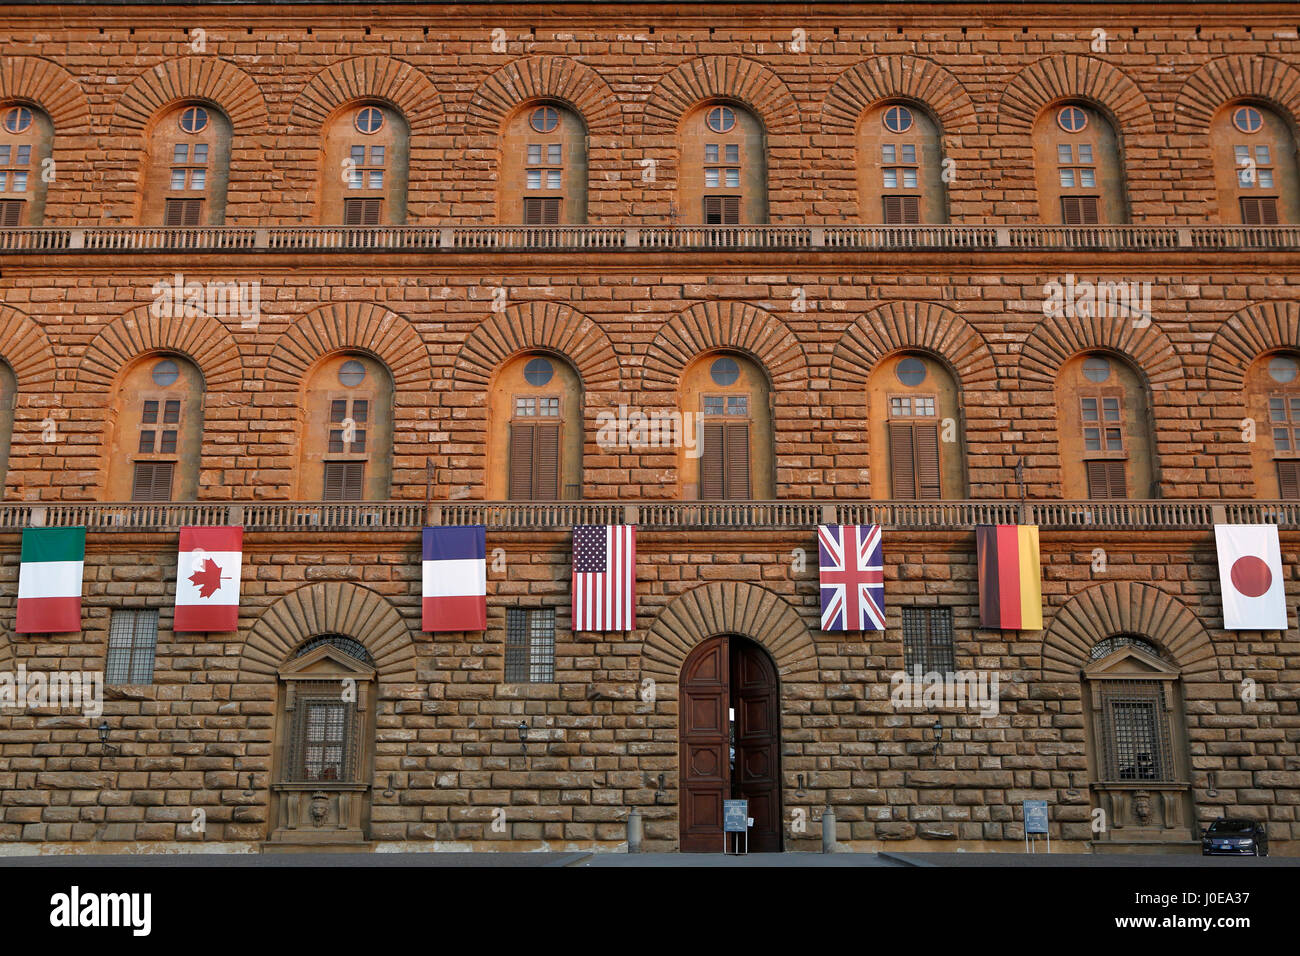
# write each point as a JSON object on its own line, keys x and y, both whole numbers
{"x": 729, "y": 743}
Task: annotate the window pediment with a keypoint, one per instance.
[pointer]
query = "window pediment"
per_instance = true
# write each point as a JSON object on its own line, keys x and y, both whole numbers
{"x": 326, "y": 663}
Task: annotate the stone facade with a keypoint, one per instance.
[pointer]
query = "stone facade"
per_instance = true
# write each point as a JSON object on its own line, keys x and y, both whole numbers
{"x": 445, "y": 767}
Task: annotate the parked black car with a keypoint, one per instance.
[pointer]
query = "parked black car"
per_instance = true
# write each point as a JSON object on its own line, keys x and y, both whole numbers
{"x": 1226, "y": 837}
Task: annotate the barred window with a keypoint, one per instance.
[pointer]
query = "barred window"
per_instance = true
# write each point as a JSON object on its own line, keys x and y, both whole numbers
{"x": 1135, "y": 731}
{"x": 927, "y": 639}
{"x": 530, "y": 645}
{"x": 132, "y": 641}
{"x": 324, "y": 739}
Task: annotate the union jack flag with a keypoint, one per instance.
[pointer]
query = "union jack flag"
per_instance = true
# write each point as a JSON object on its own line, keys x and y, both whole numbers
{"x": 852, "y": 573}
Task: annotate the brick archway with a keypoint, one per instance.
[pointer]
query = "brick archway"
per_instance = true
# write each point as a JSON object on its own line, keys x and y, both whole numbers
{"x": 363, "y": 326}
{"x": 1056, "y": 339}
{"x": 1248, "y": 334}
{"x": 708, "y": 326}
{"x": 192, "y": 77}
{"x": 50, "y": 87}
{"x": 1235, "y": 77}
{"x": 547, "y": 326}
{"x": 202, "y": 339}
{"x": 370, "y": 77}
{"x": 26, "y": 348}
{"x": 710, "y": 610}
{"x": 927, "y": 326}
{"x": 550, "y": 77}
{"x": 1070, "y": 76}
{"x": 905, "y": 77}
{"x": 335, "y": 607}
{"x": 1129, "y": 607}
{"x": 730, "y": 77}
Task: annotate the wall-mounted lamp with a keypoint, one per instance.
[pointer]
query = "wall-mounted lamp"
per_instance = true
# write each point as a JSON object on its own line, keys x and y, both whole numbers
{"x": 1211, "y": 791}
{"x": 937, "y": 733}
{"x": 250, "y": 792}
{"x": 103, "y": 739}
{"x": 390, "y": 792}
{"x": 523, "y": 734}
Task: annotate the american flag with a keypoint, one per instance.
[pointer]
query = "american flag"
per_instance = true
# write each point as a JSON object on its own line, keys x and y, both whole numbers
{"x": 852, "y": 573}
{"x": 604, "y": 577}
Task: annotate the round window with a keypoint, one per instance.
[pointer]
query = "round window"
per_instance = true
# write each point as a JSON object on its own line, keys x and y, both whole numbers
{"x": 538, "y": 372}
{"x": 544, "y": 119}
{"x": 352, "y": 373}
{"x": 724, "y": 371}
{"x": 1283, "y": 369}
{"x": 910, "y": 371}
{"x": 165, "y": 373}
{"x": 1247, "y": 119}
{"x": 18, "y": 120}
{"x": 1072, "y": 119}
{"x": 369, "y": 120}
{"x": 898, "y": 119}
{"x": 1096, "y": 368}
{"x": 722, "y": 119}
{"x": 194, "y": 119}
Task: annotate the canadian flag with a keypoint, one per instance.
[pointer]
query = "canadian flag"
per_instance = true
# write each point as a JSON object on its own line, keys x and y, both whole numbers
{"x": 207, "y": 579}
{"x": 1250, "y": 576}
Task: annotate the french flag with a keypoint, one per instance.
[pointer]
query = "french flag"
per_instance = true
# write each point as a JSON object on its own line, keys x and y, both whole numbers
{"x": 455, "y": 578}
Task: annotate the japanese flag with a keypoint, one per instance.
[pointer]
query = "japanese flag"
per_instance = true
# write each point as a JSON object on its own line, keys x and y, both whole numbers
{"x": 1250, "y": 575}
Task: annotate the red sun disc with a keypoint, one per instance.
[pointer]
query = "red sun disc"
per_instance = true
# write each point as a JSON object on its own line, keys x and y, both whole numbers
{"x": 1251, "y": 576}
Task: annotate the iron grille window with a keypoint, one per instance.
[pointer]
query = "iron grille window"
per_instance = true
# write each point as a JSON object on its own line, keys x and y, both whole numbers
{"x": 323, "y": 744}
{"x": 927, "y": 639}
{"x": 132, "y": 642}
{"x": 1110, "y": 645}
{"x": 345, "y": 644}
{"x": 1135, "y": 731}
{"x": 530, "y": 645}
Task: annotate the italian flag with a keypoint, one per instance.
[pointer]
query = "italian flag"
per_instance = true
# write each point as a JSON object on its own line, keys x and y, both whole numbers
{"x": 49, "y": 580}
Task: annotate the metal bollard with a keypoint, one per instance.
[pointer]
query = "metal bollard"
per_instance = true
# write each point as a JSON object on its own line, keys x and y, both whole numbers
{"x": 634, "y": 831}
{"x": 828, "y": 831}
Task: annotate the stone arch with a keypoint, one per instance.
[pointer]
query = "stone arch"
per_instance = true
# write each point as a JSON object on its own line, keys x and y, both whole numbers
{"x": 1071, "y": 76}
{"x": 552, "y": 77}
{"x": 1235, "y": 77}
{"x": 707, "y": 326}
{"x": 928, "y": 326}
{"x": 7, "y": 664}
{"x": 548, "y": 326}
{"x": 730, "y": 607}
{"x": 331, "y": 607}
{"x": 1056, "y": 339}
{"x": 370, "y": 77}
{"x": 26, "y": 348}
{"x": 203, "y": 339}
{"x": 192, "y": 77}
{"x": 363, "y": 326}
{"x": 1248, "y": 334}
{"x": 906, "y": 77}
{"x": 732, "y": 77}
{"x": 50, "y": 87}
{"x": 1126, "y": 607}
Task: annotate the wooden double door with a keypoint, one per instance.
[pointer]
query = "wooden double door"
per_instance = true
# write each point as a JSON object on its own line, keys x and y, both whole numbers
{"x": 730, "y": 743}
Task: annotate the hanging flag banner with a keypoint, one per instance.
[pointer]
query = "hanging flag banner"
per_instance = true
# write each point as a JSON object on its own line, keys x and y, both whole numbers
{"x": 851, "y": 571}
{"x": 49, "y": 580}
{"x": 604, "y": 577}
{"x": 1011, "y": 590}
{"x": 208, "y": 571}
{"x": 1250, "y": 576}
{"x": 455, "y": 578}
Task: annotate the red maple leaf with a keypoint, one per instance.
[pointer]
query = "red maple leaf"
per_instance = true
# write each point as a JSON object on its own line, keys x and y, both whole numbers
{"x": 208, "y": 580}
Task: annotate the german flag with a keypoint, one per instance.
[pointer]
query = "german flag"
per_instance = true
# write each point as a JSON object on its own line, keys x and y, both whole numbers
{"x": 1011, "y": 591}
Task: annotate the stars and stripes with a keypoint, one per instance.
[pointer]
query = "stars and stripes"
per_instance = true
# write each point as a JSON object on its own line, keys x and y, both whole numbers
{"x": 852, "y": 576}
{"x": 604, "y": 577}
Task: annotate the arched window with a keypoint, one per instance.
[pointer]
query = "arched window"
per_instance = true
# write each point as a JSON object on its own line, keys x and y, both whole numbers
{"x": 367, "y": 152}
{"x": 1077, "y": 167}
{"x": 156, "y": 431}
{"x": 26, "y": 138}
{"x": 1255, "y": 166}
{"x": 347, "y": 434}
{"x": 727, "y": 449}
{"x": 915, "y": 437}
{"x": 189, "y": 167}
{"x": 900, "y": 166}
{"x": 1273, "y": 402}
{"x": 544, "y": 167}
{"x": 535, "y": 440}
{"x": 8, "y": 400}
{"x": 723, "y": 177}
{"x": 1104, "y": 417}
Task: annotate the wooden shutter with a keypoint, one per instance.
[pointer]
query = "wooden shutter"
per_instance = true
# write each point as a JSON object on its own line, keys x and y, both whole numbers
{"x": 712, "y": 210}
{"x": 542, "y": 212}
{"x": 361, "y": 212}
{"x": 736, "y": 461}
{"x": 1259, "y": 211}
{"x": 730, "y": 210}
{"x": 152, "y": 481}
{"x": 1106, "y": 480}
{"x": 1288, "y": 480}
{"x": 546, "y": 462}
{"x": 1080, "y": 210}
{"x": 521, "y": 463}
{"x": 712, "y": 461}
{"x": 925, "y": 437}
{"x": 902, "y": 461}
{"x": 183, "y": 212}
{"x": 344, "y": 480}
{"x": 902, "y": 210}
{"x": 11, "y": 212}
{"x": 893, "y": 206}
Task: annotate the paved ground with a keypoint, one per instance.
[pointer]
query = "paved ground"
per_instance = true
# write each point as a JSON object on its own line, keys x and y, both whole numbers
{"x": 606, "y": 860}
